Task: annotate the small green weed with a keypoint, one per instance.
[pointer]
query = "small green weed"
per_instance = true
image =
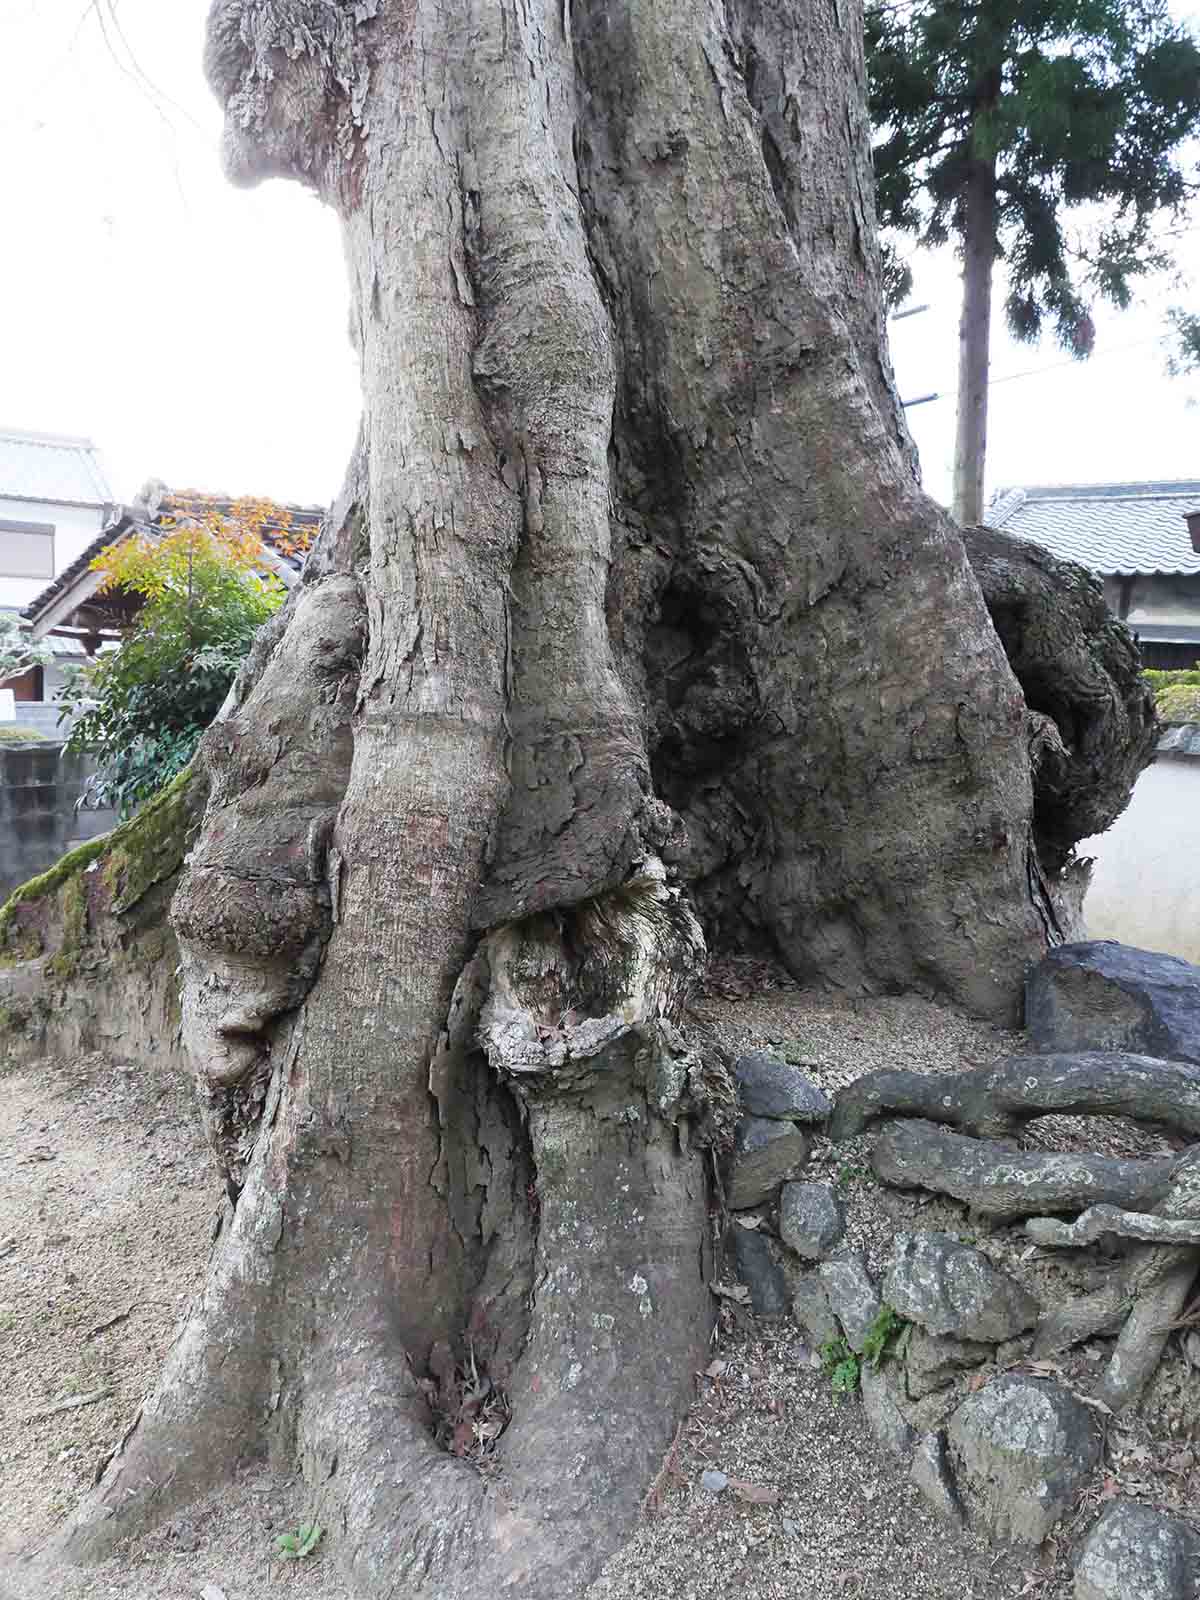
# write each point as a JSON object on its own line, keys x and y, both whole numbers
{"x": 886, "y": 1328}
{"x": 840, "y": 1366}
{"x": 295, "y": 1546}
{"x": 852, "y": 1172}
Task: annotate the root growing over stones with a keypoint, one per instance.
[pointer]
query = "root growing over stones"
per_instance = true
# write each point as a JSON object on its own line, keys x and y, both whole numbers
{"x": 1152, "y": 1204}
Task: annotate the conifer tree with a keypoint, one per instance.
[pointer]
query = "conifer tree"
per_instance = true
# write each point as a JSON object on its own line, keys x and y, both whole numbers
{"x": 1001, "y": 123}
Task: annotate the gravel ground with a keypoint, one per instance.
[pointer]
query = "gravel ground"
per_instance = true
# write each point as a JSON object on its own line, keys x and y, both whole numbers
{"x": 106, "y": 1198}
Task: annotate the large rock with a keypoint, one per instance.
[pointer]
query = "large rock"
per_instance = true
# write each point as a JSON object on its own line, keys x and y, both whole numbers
{"x": 764, "y": 1154}
{"x": 947, "y": 1288}
{"x": 811, "y": 1309}
{"x": 853, "y": 1297}
{"x": 769, "y": 1087}
{"x": 759, "y": 1271}
{"x": 1135, "y": 1552}
{"x": 1020, "y": 1452}
{"x": 930, "y": 1471}
{"x": 932, "y": 1363}
{"x": 1107, "y": 996}
{"x": 810, "y": 1219}
{"x": 885, "y": 1419}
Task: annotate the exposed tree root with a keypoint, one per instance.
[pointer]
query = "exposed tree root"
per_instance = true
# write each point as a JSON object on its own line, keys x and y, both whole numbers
{"x": 999, "y": 1181}
{"x": 1155, "y": 1204}
{"x": 1099, "y": 1222}
{"x": 995, "y": 1102}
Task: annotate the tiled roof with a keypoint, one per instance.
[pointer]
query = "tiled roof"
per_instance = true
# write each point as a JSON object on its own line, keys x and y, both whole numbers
{"x": 1110, "y": 527}
{"x": 304, "y": 522}
{"x": 52, "y": 467}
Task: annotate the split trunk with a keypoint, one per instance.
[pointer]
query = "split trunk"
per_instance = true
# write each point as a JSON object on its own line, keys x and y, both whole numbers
{"x": 632, "y": 629}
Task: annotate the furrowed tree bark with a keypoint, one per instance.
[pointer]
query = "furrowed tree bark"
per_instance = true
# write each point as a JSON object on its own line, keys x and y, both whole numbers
{"x": 974, "y": 334}
{"x": 631, "y": 627}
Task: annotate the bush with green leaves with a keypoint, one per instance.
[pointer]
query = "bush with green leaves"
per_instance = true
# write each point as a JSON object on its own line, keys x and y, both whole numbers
{"x": 140, "y": 709}
{"x": 1177, "y": 694}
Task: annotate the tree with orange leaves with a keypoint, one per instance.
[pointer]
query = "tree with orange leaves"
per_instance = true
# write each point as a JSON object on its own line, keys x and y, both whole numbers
{"x": 205, "y": 589}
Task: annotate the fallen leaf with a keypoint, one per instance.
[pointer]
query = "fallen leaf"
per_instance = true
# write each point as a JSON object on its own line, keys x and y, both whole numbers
{"x": 714, "y": 1369}
{"x": 976, "y": 1381}
{"x": 731, "y": 1291}
{"x": 755, "y": 1494}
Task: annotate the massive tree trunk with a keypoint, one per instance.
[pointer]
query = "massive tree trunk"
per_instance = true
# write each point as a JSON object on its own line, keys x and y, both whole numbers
{"x": 632, "y": 622}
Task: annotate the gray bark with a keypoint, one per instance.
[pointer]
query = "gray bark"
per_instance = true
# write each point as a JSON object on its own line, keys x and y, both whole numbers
{"x": 1092, "y": 723}
{"x": 974, "y": 331}
{"x": 999, "y": 1181}
{"x": 995, "y": 1102}
{"x": 631, "y": 604}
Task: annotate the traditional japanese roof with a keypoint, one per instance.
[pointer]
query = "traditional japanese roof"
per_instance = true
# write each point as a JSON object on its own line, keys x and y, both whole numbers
{"x": 1114, "y": 528}
{"x": 58, "y": 468}
{"x": 65, "y": 601}
{"x": 59, "y": 645}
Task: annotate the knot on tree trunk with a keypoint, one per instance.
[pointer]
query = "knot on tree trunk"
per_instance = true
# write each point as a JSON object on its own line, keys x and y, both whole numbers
{"x": 1093, "y": 726}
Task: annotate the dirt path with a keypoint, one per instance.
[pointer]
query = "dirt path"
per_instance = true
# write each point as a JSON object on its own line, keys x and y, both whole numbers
{"x": 106, "y": 1199}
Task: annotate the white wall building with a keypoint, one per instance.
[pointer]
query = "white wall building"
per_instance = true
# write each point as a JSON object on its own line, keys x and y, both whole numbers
{"x": 1145, "y": 887}
{"x": 54, "y": 501}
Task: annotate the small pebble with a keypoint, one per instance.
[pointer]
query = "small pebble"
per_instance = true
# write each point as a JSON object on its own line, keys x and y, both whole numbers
{"x": 714, "y": 1482}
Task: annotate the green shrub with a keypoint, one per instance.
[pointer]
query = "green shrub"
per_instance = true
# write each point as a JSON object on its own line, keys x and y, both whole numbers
{"x": 141, "y": 709}
{"x": 1177, "y": 694}
{"x": 13, "y": 733}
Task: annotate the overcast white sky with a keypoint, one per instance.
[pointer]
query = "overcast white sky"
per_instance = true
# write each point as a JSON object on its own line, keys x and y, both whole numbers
{"x": 198, "y": 332}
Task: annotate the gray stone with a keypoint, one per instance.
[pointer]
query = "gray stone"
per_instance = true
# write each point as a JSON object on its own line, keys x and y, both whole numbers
{"x": 852, "y": 1296}
{"x": 948, "y": 1288}
{"x": 932, "y": 1363}
{"x": 759, "y": 1271}
{"x": 811, "y": 1309}
{"x": 764, "y": 1154}
{"x": 1136, "y": 1552}
{"x": 810, "y": 1220}
{"x": 1105, "y": 996}
{"x": 1020, "y": 1452}
{"x": 769, "y": 1087}
{"x": 884, "y": 1417}
{"x": 714, "y": 1482}
{"x": 930, "y": 1471}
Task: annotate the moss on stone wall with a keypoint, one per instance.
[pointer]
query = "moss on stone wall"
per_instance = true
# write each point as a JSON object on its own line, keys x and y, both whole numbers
{"x": 150, "y": 847}
{"x": 47, "y": 883}
{"x": 52, "y": 910}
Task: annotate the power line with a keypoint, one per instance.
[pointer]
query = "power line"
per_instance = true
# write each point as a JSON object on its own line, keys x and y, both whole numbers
{"x": 1053, "y": 366}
